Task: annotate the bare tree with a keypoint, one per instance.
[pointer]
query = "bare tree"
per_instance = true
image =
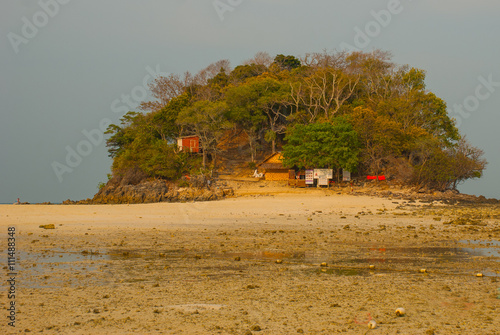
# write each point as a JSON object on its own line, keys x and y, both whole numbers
{"x": 336, "y": 60}
{"x": 200, "y": 87}
{"x": 204, "y": 75}
{"x": 376, "y": 72}
{"x": 164, "y": 89}
{"x": 260, "y": 58}
{"x": 324, "y": 91}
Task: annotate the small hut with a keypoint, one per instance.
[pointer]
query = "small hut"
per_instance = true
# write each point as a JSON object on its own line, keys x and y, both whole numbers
{"x": 189, "y": 144}
{"x": 274, "y": 169}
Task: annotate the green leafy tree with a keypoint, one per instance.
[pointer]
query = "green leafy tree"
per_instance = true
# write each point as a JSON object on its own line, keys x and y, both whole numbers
{"x": 246, "y": 115}
{"x": 217, "y": 84}
{"x": 286, "y": 62}
{"x": 141, "y": 146}
{"x": 262, "y": 99}
{"x": 121, "y": 135}
{"x": 156, "y": 159}
{"x": 207, "y": 120}
{"x": 381, "y": 139}
{"x": 322, "y": 145}
{"x": 468, "y": 162}
{"x": 442, "y": 167}
{"x": 164, "y": 121}
{"x": 243, "y": 72}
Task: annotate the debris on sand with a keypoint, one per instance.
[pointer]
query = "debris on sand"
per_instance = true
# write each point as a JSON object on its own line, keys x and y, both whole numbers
{"x": 48, "y": 226}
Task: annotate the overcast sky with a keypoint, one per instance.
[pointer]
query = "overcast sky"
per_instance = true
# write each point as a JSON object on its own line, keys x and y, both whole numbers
{"x": 68, "y": 67}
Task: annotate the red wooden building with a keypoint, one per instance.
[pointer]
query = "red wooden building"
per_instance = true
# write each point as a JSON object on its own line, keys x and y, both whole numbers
{"x": 189, "y": 143}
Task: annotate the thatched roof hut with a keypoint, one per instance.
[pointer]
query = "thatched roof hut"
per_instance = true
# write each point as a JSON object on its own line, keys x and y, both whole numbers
{"x": 273, "y": 166}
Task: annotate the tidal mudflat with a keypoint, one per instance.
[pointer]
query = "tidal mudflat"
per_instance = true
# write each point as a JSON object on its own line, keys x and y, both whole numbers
{"x": 318, "y": 263}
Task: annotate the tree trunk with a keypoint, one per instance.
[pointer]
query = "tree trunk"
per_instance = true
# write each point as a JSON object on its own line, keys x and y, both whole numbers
{"x": 250, "y": 142}
{"x": 253, "y": 148}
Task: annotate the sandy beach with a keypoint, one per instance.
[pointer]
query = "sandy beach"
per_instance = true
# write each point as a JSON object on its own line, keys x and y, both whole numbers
{"x": 288, "y": 263}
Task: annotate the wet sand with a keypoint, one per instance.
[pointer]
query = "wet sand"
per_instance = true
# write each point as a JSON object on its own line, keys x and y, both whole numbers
{"x": 253, "y": 265}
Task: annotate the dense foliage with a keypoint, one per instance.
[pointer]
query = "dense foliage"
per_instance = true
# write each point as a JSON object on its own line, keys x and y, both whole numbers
{"x": 358, "y": 111}
{"x": 331, "y": 145}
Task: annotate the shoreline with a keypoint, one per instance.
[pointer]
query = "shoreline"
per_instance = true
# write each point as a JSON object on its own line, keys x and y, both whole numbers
{"x": 240, "y": 188}
{"x": 279, "y": 189}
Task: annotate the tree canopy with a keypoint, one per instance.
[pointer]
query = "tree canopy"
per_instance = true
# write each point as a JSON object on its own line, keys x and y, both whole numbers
{"x": 358, "y": 111}
{"x": 322, "y": 145}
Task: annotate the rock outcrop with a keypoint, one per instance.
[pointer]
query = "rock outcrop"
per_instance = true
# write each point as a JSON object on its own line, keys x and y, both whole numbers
{"x": 154, "y": 191}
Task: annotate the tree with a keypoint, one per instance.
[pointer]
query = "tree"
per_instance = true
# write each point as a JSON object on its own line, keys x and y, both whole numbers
{"x": 441, "y": 166}
{"x": 164, "y": 121}
{"x": 412, "y": 106}
{"x": 164, "y": 89}
{"x": 243, "y": 72}
{"x": 208, "y": 82}
{"x": 140, "y": 149}
{"x": 208, "y": 121}
{"x": 203, "y": 76}
{"x": 323, "y": 92}
{"x": 154, "y": 158}
{"x": 260, "y": 59}
{"x": 246, "y": 115}
{"x": 375, "y": 70}
{"x": 468, "y": 162}
{"x": 433, "y": 165}
{"x": 381, "y": 139}
{"x": 121, "y": 136}
{"x": 286, "y": 62}
{"x": 261, "y": 100}
{"x": 322, "y": 145}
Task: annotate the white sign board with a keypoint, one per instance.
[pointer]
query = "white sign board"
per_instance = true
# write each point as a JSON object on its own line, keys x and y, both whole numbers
{"x": 322, "y": 181}
{"x": 309, "y": 177}
{"x": 346, "y": 175}
{"x": 323, "y": 173}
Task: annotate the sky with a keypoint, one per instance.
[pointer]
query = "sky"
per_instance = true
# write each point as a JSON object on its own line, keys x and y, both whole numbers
{"x": 68, "y": 68}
